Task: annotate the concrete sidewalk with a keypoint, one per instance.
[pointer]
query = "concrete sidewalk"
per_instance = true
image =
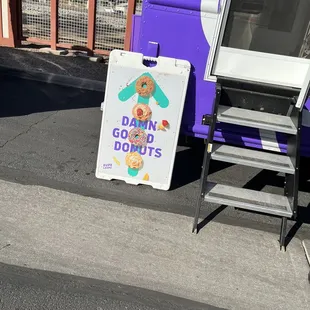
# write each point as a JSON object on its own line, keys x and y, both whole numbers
{"x": 225, "y": 266}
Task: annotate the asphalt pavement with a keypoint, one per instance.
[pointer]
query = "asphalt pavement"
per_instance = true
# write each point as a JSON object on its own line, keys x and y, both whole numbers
{"x": 49, "y": 137}
{"x": 29, "y": 59}
{"x": 29, "y": 289}
{"x": 225, "y": 266}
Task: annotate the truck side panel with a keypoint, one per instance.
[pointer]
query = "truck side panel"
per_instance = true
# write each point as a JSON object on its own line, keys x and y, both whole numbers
{"x": 183, "y": 31}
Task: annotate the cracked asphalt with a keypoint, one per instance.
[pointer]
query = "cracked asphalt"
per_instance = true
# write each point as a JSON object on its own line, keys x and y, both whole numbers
{"x": 27, "y": 130}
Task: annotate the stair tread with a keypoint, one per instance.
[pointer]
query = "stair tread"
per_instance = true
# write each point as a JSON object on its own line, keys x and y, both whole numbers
{"x": 256, "y": 119}
{"x": 248, "y": 199}
{"x": 253, "y": 158}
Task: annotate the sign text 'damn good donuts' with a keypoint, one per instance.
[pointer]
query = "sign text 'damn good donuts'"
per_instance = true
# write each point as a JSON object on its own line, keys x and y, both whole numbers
{"x": 121, "y": 134}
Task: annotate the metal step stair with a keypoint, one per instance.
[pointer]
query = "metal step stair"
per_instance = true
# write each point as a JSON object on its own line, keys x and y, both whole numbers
{"x": 252, "y": 158}
{"x": 248, "y": 199}
{"x": 256, "y": 119}
{"x": 240, "y": 103}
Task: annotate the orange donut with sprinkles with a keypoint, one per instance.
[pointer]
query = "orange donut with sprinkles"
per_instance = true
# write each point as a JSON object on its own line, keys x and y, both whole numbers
{"x": 145, "y": 86}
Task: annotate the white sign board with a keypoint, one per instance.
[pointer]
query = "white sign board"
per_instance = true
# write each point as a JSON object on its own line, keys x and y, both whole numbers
{"x": 142, "y": 114}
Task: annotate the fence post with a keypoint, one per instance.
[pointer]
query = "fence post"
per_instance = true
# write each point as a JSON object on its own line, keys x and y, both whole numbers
{"x": 1, "y": 22}
{"x": 91, "y": 26}
{"x": 54, "y": 24}
{"x": 9, "y": 32}
{"x": 130, "y": 12}
{"x": 19, "y": 21}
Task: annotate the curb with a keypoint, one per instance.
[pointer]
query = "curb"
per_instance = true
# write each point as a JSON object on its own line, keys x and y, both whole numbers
{"x": 72, "y": 53}
{"x": 52, "y": 78}
{"x": 306, "y": 246}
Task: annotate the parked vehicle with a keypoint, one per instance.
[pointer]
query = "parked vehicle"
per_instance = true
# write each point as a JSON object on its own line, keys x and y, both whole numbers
{"x": 248, "y": 88}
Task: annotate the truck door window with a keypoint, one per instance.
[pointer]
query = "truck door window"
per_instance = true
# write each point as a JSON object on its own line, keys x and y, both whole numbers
{"x": 271, "y": 26}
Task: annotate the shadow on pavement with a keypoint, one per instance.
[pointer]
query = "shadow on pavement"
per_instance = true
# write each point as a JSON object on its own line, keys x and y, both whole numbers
{"x": 22, "y": 97}
{"x": 36, "y": 289}
{"x": 272, "y": 178}
{"x": 187, "y": 166}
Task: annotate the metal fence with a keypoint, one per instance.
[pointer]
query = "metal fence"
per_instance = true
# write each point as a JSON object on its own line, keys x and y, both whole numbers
{"x": 110, "y": 25}
{"x": 99, "y": 25}
{"x": 73, "y": 22}
{"x": 36, "y": 19}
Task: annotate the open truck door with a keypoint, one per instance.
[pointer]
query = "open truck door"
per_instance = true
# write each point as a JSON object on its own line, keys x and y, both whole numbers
{"x": 262, "y": 41}
{"x": 260, "y": 60}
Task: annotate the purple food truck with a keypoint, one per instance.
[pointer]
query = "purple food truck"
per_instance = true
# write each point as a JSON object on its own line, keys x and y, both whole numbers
{"x": 248, "y": 88}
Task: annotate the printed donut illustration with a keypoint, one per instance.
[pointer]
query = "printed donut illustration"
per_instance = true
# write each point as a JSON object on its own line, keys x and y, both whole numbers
{"x": 134, "y": 160}
{"x": 141, "y": 112}
{"x": 137, "y": 136}
{"x": 145, "y": 86}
